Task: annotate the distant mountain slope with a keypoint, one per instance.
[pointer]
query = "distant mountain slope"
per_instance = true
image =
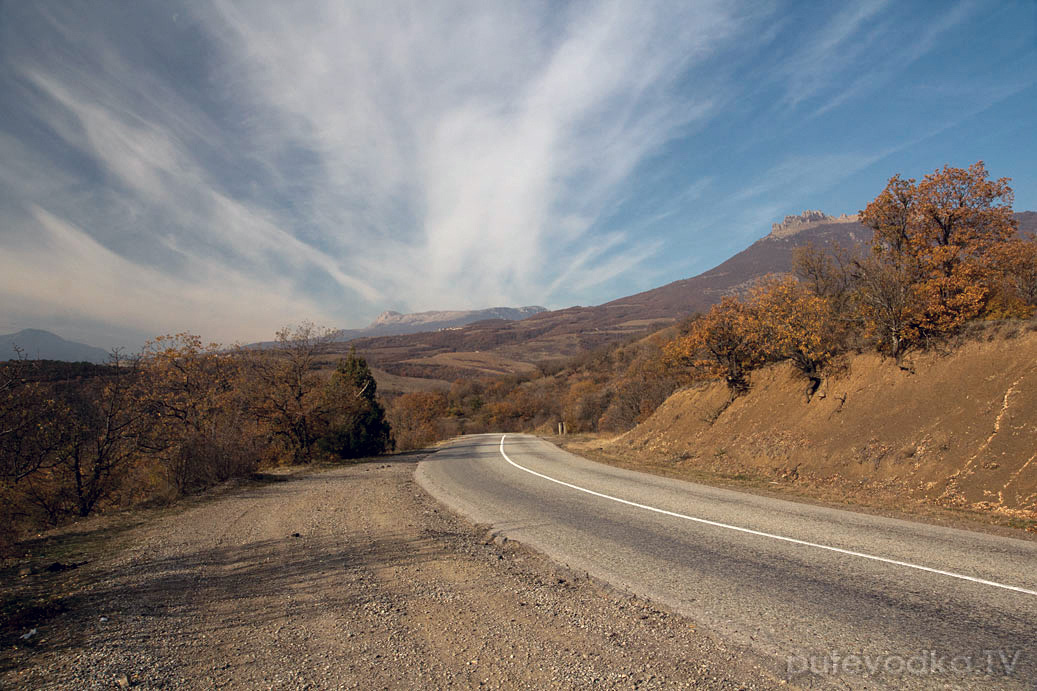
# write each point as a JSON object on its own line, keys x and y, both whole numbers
{"x": 1027, "y": 221}
{"x": 770, "y": 254}
{"x": 567, "y": 332}
{"x": 395, "y": 324}
{"x": 37, "y": 344}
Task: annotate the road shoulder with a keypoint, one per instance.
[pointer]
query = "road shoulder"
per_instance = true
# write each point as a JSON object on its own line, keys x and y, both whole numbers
{"x": 352, "y": 577}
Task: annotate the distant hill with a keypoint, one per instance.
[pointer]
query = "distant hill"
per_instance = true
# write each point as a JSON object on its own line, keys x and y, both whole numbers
{"x": 554, "y": 334}
{"x": 395, "y": 324}
{"x": 37, "y": 344}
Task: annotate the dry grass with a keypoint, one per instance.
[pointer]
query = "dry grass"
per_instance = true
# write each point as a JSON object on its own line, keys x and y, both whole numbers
{"x": 484, "y": 363}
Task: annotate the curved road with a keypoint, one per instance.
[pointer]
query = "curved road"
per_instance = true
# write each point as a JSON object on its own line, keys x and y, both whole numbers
{"x": 828, "y": 598}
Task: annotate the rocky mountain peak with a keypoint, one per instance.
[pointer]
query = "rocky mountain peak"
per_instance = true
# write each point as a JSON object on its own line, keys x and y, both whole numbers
{"x": 808, "y": 219}
{"x": 387, "y": 317}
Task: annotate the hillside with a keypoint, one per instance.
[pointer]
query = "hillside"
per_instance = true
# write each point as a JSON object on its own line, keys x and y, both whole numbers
{"x": 395, "y": 324}
{"x": 770, "y": 254}
{"x": 955, "y": 430}
{"x": 37, "y": 344}
{"x": 514, "y": 346}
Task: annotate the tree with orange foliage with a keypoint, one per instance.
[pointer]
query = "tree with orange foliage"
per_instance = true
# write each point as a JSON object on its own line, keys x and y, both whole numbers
{"x": 203, "y": 433}
{"x": 1016, "y": 265}
{"x": 798, "y": 325}
{"x": 929, "y": 270}
{"x": 726, "y": 343}
{"x": 414, "y": 418}
{"x": 583, "y": 404}
{"x": 285, "y": 391}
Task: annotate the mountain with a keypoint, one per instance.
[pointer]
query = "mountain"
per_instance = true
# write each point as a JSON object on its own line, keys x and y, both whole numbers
{"x": 770, "y": 254}
{"x": 394, "y": 323}
{"x": 497, "y": 346}
{"x": 37, "y": 344}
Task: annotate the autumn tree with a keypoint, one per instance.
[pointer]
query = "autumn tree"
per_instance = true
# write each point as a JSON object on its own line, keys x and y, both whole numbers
{"x": 203, "y": 433}
{"x": 636, "y": 390}
{"x": 727, "y": 343}
{"x": 466, "y": 397}
{"x": 829, "y": 274}
{"x": 1015, "y": 264}
{"x": 584, "y": 404}
{"x": 929, "y": 272}
{"x": 961, "y": 217}
{"x": 888, "y": 303}
{"x": 103, "y": 430}
{"x": 797, "y": 325}
{"x": 415, "y": 418}
{"x": 285, "y": 392}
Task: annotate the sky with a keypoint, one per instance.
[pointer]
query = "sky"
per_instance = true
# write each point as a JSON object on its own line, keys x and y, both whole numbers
{"x": 229, "y": 168}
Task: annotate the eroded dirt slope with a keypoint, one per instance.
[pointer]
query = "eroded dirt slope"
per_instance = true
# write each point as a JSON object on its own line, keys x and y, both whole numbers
{"x": 957, "y": 429}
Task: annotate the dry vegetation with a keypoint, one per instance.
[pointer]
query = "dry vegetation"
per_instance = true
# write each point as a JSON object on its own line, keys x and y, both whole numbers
{"x": 945, "y": 253}
{"x": 181, "y": 416}
{"x": 861, "y": 375}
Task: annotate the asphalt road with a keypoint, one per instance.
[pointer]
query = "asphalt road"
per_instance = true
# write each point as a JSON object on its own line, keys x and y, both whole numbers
{"x": 814, "y": 592}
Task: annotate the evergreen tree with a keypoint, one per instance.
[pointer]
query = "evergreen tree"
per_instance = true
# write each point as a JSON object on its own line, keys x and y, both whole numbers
{"x": 357, "y": 425}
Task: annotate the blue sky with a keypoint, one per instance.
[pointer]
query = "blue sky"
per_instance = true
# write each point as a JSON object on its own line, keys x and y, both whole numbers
{"x": 228, "y": 168}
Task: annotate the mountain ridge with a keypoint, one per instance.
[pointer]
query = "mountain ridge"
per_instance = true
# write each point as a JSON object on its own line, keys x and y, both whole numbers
{"x": 396, "y": 323}
{"x": 808, "y": 219}
{"x": 37, "y": 344}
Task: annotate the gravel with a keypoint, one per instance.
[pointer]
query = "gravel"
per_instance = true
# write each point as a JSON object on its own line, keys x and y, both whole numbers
{"x": 350, "y": 578}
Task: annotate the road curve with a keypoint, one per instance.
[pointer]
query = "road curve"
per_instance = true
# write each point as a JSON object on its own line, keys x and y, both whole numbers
{"x": 829, "y": 598}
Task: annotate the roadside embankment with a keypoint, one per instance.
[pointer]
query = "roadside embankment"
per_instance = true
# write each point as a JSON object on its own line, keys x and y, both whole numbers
{"x": 955, "y": 430}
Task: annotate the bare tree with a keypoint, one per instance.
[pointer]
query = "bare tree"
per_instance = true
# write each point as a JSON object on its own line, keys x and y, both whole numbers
{"x": 102, "y": 429}
{"x": 284, "y": 390}
{"x": 29, "y": 433}
{"x": 885, "y": 291}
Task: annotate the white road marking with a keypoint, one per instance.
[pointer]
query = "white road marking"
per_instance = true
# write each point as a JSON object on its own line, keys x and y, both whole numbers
{"x": 762, "y": 534}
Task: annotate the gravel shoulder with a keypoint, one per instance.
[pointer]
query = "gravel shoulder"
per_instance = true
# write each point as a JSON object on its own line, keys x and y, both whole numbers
{"x": 348, "y": 578}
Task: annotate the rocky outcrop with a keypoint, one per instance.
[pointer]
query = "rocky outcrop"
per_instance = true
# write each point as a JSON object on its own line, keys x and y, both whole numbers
{"x": 808, "y": 219}
{"x": 452, "y": 317}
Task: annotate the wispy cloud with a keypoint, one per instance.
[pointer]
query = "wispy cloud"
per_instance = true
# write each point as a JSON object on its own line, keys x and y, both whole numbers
{"x": 894, "y": 58}
{"x": 101, "y": 285}
{"x": 862, "y": 47}
{"x": 825, "y": 56}
{"x": 805, "y": 174}
{"x": 402, "y": 154}
{"x": 328, "y": 160}
{"x": 467, "y": 139}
